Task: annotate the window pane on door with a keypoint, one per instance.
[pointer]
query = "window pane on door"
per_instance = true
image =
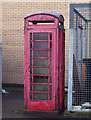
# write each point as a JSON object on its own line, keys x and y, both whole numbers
{"x": 40, "y": 36}
{"x": 41, "y": 71}
{"x": 40, "y": 96}
{"x": 40, "y": 53}
{"x": 40, "y": 79}
{"x": 40, "y": 88}
{"x": 40, "y": 45}
{"x": 40, "y": 62}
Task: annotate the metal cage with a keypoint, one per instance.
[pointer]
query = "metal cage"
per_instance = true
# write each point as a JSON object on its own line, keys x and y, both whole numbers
{"x": 79, "y": 85}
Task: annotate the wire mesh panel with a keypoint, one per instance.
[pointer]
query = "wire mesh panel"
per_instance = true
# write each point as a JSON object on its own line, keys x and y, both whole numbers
{"x": 79, "y": 93}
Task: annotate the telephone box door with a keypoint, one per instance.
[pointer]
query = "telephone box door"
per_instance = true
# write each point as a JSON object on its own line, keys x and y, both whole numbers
{"x": 41, "y": 54}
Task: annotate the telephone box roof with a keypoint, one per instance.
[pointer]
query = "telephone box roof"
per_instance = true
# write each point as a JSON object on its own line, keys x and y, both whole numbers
{"x": 57, "y": 15}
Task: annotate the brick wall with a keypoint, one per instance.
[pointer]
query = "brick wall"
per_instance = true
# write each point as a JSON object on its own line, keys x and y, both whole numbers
{"x": 13, "y": 34}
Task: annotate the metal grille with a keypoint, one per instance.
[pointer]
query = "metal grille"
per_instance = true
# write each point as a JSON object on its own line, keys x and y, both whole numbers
{"x": 79, "y": 91}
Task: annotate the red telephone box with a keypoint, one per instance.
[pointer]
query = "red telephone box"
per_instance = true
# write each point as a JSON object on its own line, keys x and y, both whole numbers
{"x": 44, "y": 61}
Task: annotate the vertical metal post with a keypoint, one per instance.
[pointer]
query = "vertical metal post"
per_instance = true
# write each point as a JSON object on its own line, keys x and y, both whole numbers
{"x": 48, "y": 65}
{"x": 70, "y": 80}
{"x": 70, "y": 75}
{"x": 86, "y": 39}
{"x": 32, "y": 65}
{"x": 81, "y": 53}
{"x": 77, "y": 41}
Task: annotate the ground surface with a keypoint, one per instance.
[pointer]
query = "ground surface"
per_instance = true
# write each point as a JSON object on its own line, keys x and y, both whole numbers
{"x": 13, "y": 103}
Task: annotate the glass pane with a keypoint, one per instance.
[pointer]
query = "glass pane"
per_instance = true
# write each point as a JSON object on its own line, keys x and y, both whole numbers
{"x": 50, "y": 36}
{"x": 51, "y": 44}
{"x": 40, "y": 88}
{"x": 30, "y": 70}
{"x": 30, "y": 53}
{"x": 40, "y": 62}
{"x": 50, "y": 71}
{"x": 30, "y": 36}
{"x": 50, "y": 88}
{"x": 40, "y": 45}
{"x": 50, "y": 79}
{"x": 40, "y": 53}
{"x": 50, "y": 62}
{"x": 30, "y": 78}
{"x": 30, "y": 44}
{"x": 41, "y": 71}
{"x": 40, "y": 36}
{"x": 40, "y": 79}
{"x": 40, "y": 96}
{"x": 30, "y": 95}
{"x": 30, "y": 87}
{"x": 50, "y": 96}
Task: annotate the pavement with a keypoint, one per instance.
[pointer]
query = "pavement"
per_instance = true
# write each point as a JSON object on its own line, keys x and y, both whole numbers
{"x": 13, "y": 104}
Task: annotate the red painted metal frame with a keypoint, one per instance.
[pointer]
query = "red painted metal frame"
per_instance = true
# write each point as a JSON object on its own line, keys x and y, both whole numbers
{"x": 62, "y": 69}
{"x": 58, "y": 65}
{"x": 43, "y": 105}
